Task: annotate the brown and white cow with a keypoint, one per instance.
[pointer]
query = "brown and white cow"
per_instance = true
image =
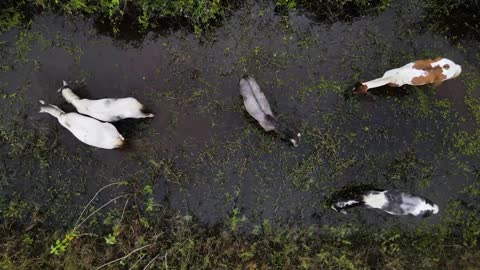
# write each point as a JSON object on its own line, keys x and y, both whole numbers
{"x": 420, "y": 72}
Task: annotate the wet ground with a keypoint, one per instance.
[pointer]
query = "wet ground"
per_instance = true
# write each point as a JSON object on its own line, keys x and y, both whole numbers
{"x": 202, "y": 154}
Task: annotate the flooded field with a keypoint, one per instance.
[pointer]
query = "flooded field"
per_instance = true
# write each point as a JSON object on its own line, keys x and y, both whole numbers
{"x": 204, "y": 158}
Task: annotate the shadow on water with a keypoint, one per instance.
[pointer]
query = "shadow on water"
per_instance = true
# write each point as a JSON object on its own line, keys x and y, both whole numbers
{"x": 202, "y": 153}
{"x": 387, "y": 91}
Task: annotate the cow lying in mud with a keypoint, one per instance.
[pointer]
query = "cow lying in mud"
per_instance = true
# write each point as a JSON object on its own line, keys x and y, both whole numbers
{"x": 420, "y": 72}
{"x": 393, "y": 202}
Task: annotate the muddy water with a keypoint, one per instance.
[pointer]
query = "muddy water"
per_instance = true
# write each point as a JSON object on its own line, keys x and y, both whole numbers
{"x": 218, "y": 158}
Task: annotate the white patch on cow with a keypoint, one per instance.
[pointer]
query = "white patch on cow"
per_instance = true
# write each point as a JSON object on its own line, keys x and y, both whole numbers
{"x": 375, "y": 199}
{"x": 294, "y": 142}
{"x": 107, "y": 109}
{"x": 416, "y": 206}
{"x": 88, "y": 130}
{"x": 348, "y": 203}
{"x": 453, "y": 69}
{"x": 412, "y": 205}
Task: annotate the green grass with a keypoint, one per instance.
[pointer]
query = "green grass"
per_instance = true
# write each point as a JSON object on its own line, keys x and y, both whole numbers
{"x": 175, "y": 241}
{"x": 469, "y": 142}
{"x": 456, "y": 18}
{"x": 15, "y": 14}
{"x": 148, "y": 14}
{"x": 145, "y": 13}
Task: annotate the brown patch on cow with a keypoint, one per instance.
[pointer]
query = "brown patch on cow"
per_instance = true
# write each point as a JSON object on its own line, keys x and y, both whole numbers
{"x": 434, "y": 75}
{"x": 393, "y": 85}
{"x": 361, "y": 89}
{"x": 446, "y": 66}
{"x": 425, "y": 64}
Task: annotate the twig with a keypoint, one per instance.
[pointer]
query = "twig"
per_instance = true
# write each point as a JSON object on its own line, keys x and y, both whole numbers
{"x": 154, "y": 258}
{"x": 94, "y": 212}
{"x": 166, "y": 265}
{"x": 124, "y": 257}
{"x": 94, "y": 196}
{"x": 124, "y": 207}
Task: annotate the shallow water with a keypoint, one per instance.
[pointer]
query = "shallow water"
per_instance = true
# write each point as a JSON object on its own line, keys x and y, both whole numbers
{"x": 216, "y": 157}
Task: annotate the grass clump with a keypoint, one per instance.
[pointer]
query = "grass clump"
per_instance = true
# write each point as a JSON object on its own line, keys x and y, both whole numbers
{"x": 163, "y": 239}
{"x": 150, "y": 14}
{"x": 468, "y": 144}
{"x": 458, "y": 18}
{"x": 144, "y": 14}
{"x": 198, "y": 13}
{"x": 14, "y": 13}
